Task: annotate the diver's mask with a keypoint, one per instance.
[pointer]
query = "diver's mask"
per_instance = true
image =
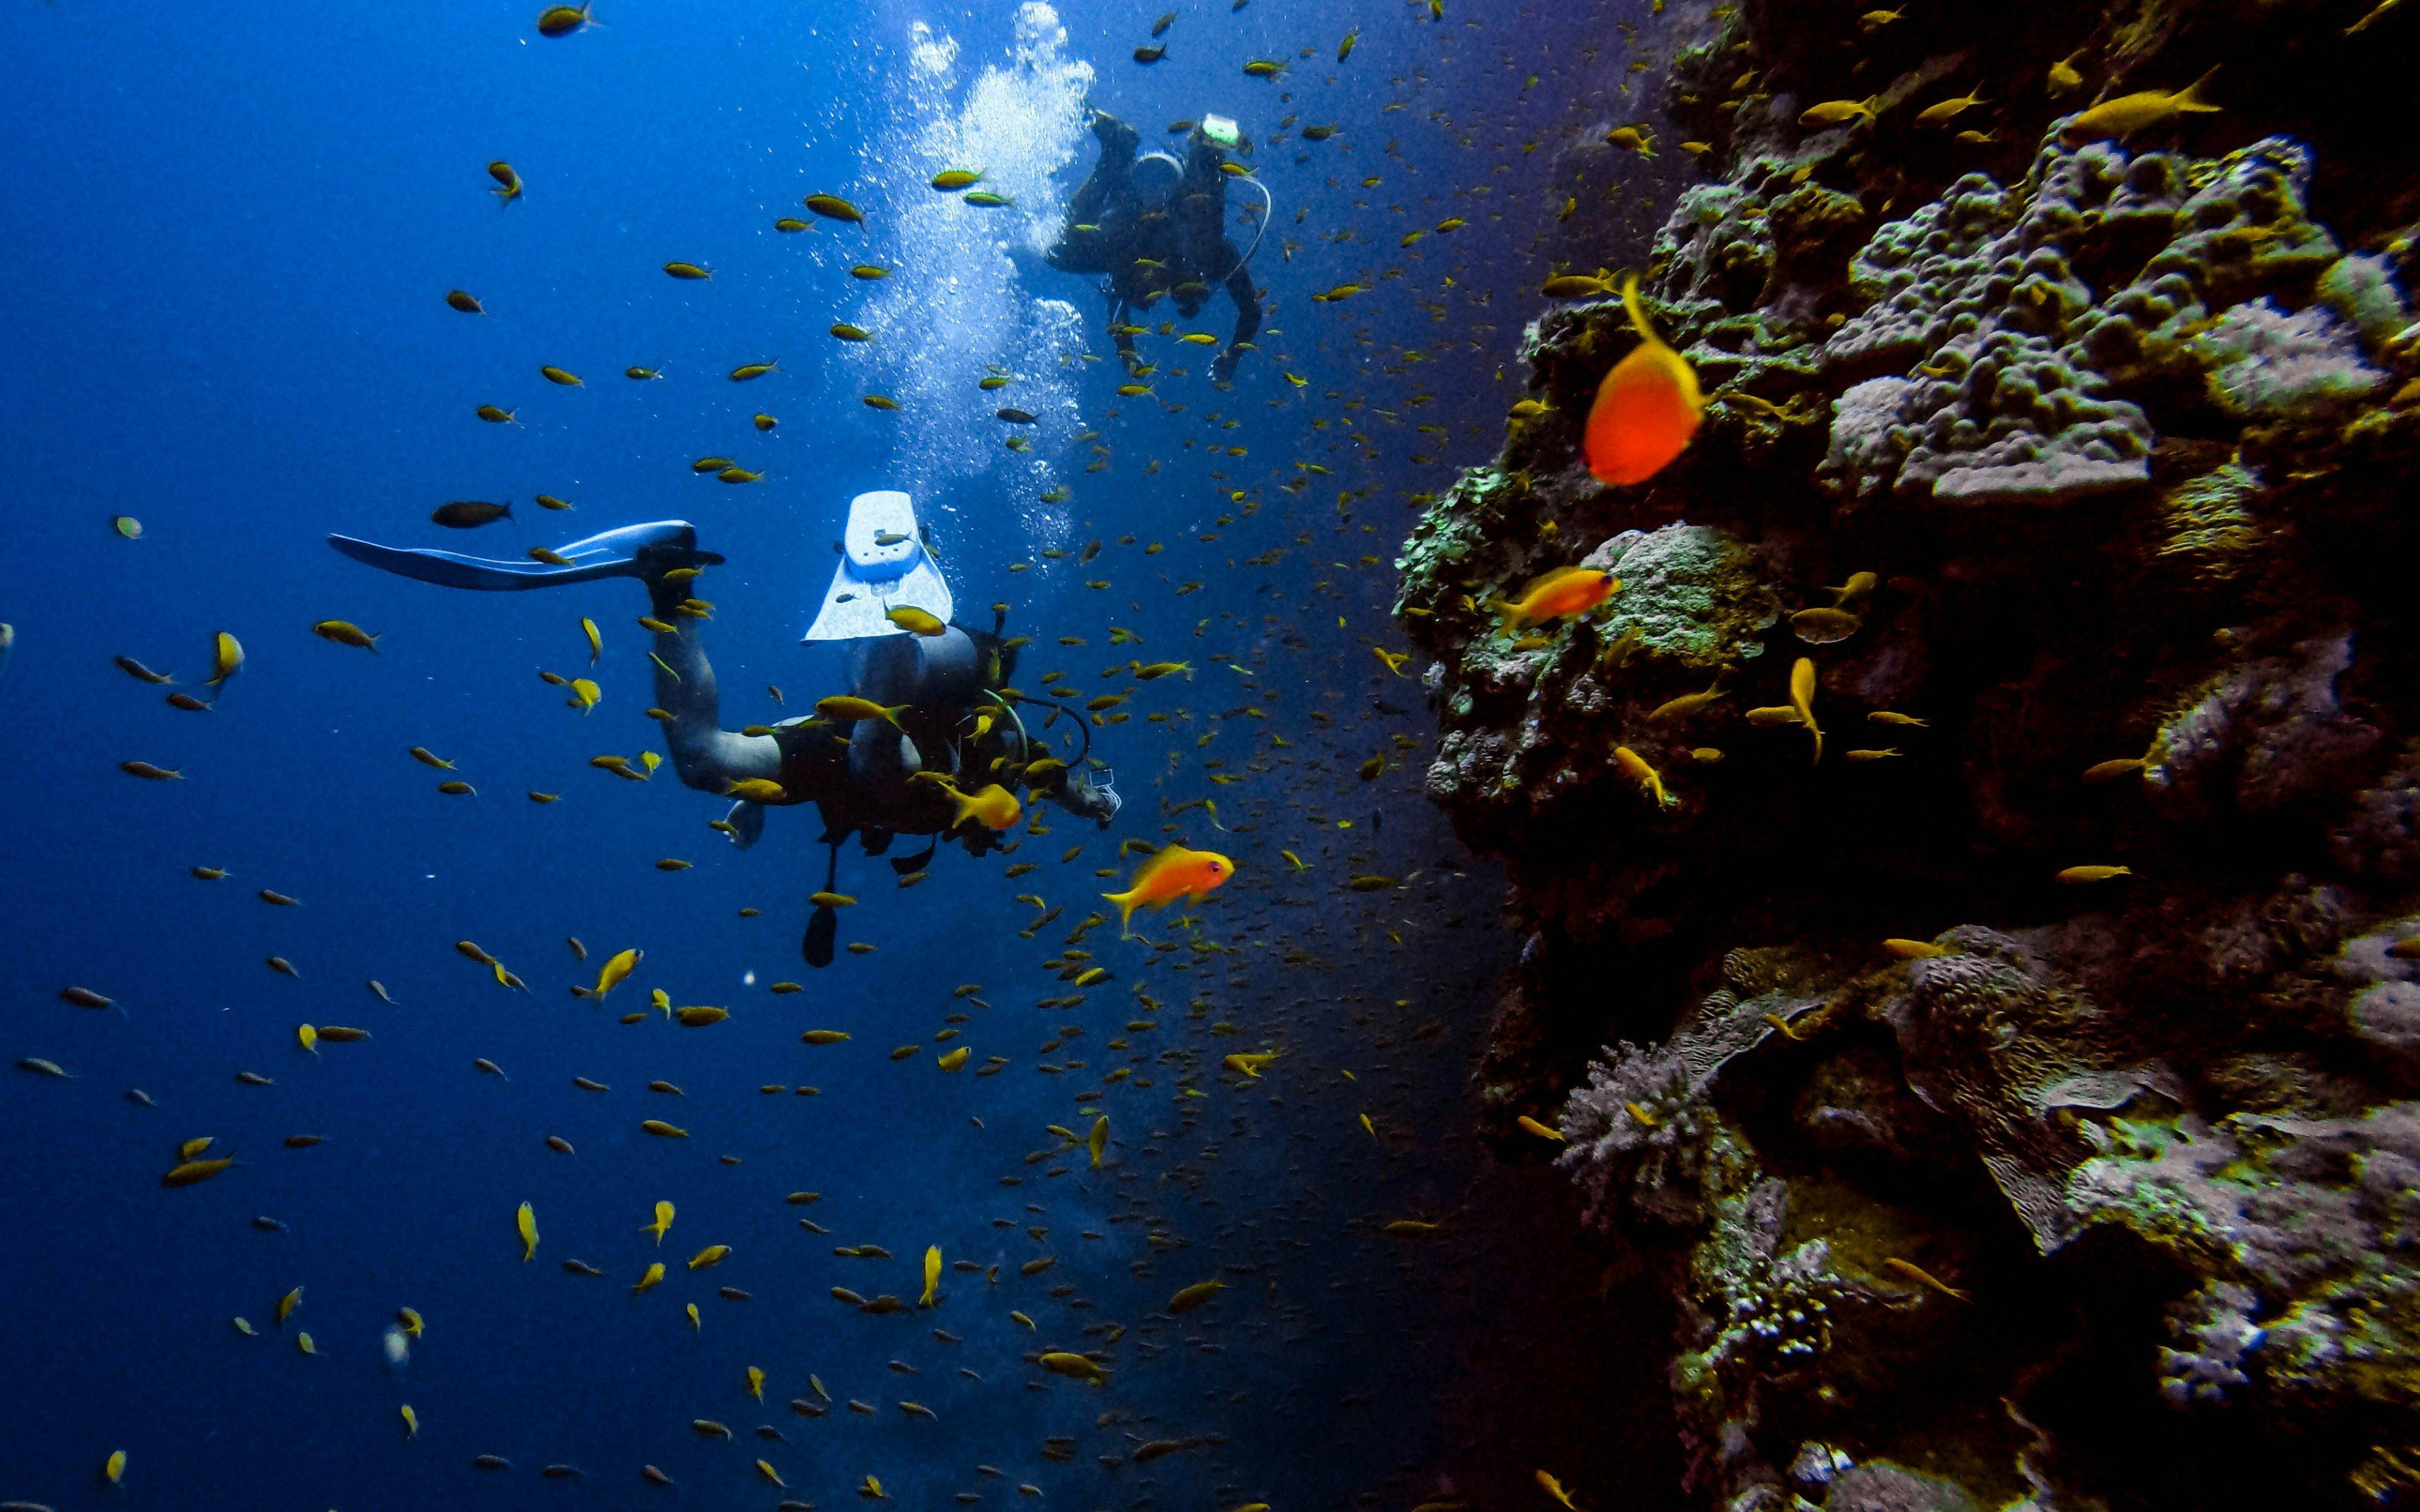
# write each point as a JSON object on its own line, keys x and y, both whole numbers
{"x": 1222, "y": 131}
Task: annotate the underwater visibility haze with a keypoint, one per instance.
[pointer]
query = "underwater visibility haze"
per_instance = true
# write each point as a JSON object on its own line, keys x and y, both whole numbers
{"x": 1225, "y": 757}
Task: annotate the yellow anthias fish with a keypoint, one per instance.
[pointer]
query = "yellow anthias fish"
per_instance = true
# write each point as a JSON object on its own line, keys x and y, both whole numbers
{"x": 1098, "y": 1140}
{"x": 850, "y": 710}
{"x": 2126, "y": 115}
{"x": 932, "y": 1275}
{"x": 1249, "y": 1063}
{"x": 615, "y": 970}
{"x": 1555, "y": 1489}
{"x": 1074, "y": 1367}
{"x": 596, "y": 641}
{"x": 526, "y": 1221}
{"x": 1650, "y": 781}
{"x": 584, "y": 694}
{"x": 710, "y": 1255}
{"x": 114, "y": 1470}
{"x": 755, "y": 1382}
{"x": 992, "y": 806}
{"x": 664, "y": 1222}
{"x": 1802, "y": 699}
{"x": 655, "y": 1274}
{"x": 1173, "y": 872}
{"x": 228, "y": 655}
{"x": 915, "y": 621}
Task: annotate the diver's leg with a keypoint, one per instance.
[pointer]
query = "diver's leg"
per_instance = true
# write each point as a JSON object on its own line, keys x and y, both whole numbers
{"x": 1104, "y": 188}
{"x": 707, "y": 756}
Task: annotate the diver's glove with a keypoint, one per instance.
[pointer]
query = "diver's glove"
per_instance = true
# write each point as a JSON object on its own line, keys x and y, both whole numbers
{"x": 1222, "y": 372}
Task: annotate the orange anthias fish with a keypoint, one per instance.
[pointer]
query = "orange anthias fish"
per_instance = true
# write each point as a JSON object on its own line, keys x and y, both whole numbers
{"x": 1647, "y": 407}
{"x": 1172, "y": 871}
{"x": 1561, "y": 592}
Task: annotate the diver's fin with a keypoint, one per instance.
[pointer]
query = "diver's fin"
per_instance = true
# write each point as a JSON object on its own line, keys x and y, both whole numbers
{"x": 633, "y": 552}
{"x": 884, "y": 564}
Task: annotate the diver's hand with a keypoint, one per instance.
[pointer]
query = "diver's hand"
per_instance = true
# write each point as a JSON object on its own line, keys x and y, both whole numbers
{"x": 1222, "y": 372}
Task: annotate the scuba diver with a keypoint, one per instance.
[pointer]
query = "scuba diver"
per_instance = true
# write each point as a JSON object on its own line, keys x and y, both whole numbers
{"x": 949, "y": 731}
{"x": 1158, "y": 227}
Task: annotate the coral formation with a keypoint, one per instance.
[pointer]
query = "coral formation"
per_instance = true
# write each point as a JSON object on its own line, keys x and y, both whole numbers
{"x": 1999, "y": 1037}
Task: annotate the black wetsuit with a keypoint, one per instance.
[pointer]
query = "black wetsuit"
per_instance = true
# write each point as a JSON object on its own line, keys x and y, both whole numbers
{"x": 939, "y": 720}
{"x": 1178, "y": 250}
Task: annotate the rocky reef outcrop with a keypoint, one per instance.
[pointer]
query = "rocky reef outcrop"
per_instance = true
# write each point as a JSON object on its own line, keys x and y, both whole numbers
{"x": 2009, "y": 1061}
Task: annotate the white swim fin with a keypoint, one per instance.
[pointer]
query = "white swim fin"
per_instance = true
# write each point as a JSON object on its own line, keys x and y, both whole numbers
{"x": 883, "y": 566}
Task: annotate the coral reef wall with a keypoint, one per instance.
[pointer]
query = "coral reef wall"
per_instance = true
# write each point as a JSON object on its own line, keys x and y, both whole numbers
{"x": 2013, "y": 1073}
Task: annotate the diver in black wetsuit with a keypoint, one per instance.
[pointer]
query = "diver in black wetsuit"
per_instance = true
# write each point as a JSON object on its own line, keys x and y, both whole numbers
{"x": 868, "y": 778}
{"x": 1157, "y": 228}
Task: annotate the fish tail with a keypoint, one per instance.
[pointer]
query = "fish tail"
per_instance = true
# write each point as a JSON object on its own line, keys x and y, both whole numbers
{"x": 2189, "y": 98}
{"x": 1125, "y": 906}
{"x": 1637, "y": 312}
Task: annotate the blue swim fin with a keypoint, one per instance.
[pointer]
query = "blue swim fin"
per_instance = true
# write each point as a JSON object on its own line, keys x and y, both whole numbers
{"x": 639, "y": 551}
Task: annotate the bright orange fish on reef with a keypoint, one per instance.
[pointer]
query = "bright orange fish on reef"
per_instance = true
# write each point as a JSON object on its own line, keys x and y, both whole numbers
{"x": 1172, "y": 871}
{"x": 1561, "y": 592}
{"x": 1647, "y": 407}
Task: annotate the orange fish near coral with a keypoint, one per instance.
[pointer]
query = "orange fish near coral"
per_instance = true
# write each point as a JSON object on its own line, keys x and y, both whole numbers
{"x": 1562, "y": 591}
{"x": 1172, "y": 871}
{"x": 1647, "y": 407}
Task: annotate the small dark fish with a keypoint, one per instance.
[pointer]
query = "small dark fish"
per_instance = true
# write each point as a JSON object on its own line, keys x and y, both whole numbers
{"x": 1015, "y": 417}
{"x": 283, "y": 966}
{"x": 470, "y": 513}
{"x": 188, "y": 703}
{"x": 135, "y": 668}
{"x": 84, "y": 998}
{"x": 1177, "y": 128}
{"x": 1149, "y": 55}
{"x": 270, "y": 1226}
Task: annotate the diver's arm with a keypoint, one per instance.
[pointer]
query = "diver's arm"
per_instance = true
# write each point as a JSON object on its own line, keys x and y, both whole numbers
{"x": 707, "y": 756}
{"x": 1247, "y": 322}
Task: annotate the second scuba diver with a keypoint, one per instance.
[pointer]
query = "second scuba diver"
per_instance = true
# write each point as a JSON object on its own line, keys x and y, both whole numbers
{"x": 1157, "y": 228}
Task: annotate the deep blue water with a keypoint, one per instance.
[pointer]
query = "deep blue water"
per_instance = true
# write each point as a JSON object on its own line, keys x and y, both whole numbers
{"x": 229, "y": 234}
